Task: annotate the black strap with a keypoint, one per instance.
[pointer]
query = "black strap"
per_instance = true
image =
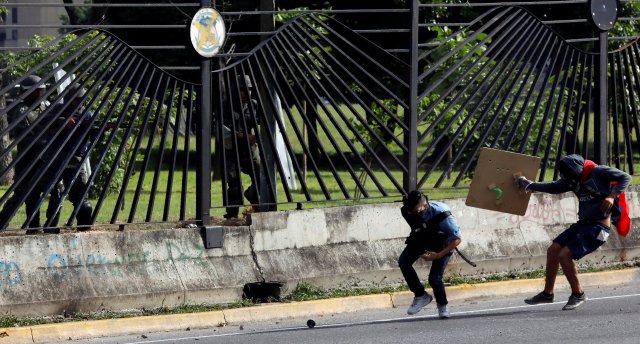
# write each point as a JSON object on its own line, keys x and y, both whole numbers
{"x": 465, "y": 258}
{"x": 427, "y": 236}
{"x": 437, "y": 219}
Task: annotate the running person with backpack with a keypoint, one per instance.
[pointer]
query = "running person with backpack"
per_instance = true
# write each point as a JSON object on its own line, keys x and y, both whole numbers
{"x": 597, "y": 189}
{"x": 434, "y": 235}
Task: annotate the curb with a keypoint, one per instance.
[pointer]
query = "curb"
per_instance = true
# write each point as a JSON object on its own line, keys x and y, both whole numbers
{"x": 183, "y": 322}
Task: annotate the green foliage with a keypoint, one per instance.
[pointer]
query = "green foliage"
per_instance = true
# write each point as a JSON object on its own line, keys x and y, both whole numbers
{"x": 20, "y": 63}
{"x": 625, "y": 28}
{"x": 111, "y": 103}
{"x": 385, "y": 119}
{"x": 110, "y": 159}
{"x": 286, "y": 15}
{"x": 461, "y": 104}
{"x": 306, "y": 291}
{"x": 14, "y": 321}
{"x": 443, "y": 13}
{"x": 441, "y": 110}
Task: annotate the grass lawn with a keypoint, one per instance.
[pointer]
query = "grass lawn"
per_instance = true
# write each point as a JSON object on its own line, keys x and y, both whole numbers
{"x": 317, "y": 197}
{"x": 154, "y": 207}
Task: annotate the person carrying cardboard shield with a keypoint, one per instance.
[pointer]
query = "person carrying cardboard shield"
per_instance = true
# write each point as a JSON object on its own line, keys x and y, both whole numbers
{"x": 596, "y": 187}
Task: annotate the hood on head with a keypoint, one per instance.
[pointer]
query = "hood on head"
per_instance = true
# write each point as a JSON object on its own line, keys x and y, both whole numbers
{"x": 571, "y": 166}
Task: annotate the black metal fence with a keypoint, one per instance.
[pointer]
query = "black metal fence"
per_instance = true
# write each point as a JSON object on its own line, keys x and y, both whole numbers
{"x": 128, "y": 131}
{"x": 324, "y": 105}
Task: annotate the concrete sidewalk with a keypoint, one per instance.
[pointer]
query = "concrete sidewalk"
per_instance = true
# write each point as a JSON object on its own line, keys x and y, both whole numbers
{"x": 274, "y": 312}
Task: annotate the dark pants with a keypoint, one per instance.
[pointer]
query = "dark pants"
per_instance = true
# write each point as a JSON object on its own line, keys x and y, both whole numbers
{"x": 583, "y": 238}
{"x": 31, "y": 199}
{"x": 408, "y": 257}
{"x": 235, "y": 193}
{"x": 75, "y": 192}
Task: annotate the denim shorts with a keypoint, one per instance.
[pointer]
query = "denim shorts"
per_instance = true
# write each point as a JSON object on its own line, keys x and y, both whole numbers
{"x": 583, "y": 238}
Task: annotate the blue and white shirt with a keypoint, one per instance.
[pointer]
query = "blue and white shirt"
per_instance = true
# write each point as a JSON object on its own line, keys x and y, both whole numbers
{"x": 448, "y": 227}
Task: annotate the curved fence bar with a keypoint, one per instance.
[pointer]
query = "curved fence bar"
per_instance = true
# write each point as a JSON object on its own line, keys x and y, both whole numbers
{"x": 312, "y": 110}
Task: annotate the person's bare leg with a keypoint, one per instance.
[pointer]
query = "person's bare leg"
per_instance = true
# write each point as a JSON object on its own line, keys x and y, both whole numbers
{"x": 570, "y": 270}
{"x": 553, "y": 264}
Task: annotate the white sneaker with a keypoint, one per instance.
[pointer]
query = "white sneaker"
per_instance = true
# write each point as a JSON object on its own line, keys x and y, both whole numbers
{"x": 418, "y": 303}
{"x": 443, "y": 311}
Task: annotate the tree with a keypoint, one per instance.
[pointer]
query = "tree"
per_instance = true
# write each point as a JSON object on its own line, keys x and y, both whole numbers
{"x": 4, "y": 141}
{"x": 86, "y": 15}
{"x": 145, "y": 15}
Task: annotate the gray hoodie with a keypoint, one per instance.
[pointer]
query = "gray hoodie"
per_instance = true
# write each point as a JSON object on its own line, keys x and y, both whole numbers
{"x": 592, "y": 191}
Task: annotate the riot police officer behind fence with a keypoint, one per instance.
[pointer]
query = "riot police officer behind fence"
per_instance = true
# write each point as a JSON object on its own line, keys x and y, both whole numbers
{"x": 31, "y": 144}
{"x": 245, "y": 146}
{"x": 73, "y": 126}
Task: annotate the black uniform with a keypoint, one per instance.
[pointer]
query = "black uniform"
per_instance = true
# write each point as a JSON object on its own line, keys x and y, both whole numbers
{"x": 248, "y": 155}
{"x": 26, "y": 157}
{"x": 68, "y": 157}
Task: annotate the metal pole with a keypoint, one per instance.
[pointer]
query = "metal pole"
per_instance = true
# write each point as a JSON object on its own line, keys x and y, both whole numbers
{"x": 267, "y": 24}
{"x": 203, "y": 143}
{"x": 411, "y": 114}
{"x": 604, "y": 14}
{"x": 600, "y": 120}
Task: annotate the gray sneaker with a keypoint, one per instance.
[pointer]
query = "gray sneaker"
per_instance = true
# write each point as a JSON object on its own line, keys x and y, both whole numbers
{"x": 574, "y": 302}
{"x": 418, "y": 303}
{"x": 443, "y": 311}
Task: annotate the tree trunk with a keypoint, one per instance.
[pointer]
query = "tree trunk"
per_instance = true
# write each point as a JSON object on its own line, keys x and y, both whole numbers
{"x": 4, "y": 141}
{"x": 72, "y": 13}
{"x": 93, "y": 15}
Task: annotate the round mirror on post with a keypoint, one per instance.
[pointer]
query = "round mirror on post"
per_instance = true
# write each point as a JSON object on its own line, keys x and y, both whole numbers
{"x": 604, "y": 13}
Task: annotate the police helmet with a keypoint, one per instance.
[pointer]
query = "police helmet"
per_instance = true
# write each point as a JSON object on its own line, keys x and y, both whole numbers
{"x": 31, "y": 81}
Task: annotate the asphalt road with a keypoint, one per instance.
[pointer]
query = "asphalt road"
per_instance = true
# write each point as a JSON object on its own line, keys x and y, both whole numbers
{"x": 609, "y": 316}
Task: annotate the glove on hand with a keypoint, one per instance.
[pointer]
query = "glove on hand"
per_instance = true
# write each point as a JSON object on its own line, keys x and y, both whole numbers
{"x": 523, "y": 182}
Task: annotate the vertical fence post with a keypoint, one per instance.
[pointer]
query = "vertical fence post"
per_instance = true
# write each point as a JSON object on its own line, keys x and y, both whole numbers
{"x": 600, "y": 120}
{"x": 411, "y": 113}
{"x": 203, "y": 142}
{"x": 267, "y": 202}
{"x": 604, "y": 14}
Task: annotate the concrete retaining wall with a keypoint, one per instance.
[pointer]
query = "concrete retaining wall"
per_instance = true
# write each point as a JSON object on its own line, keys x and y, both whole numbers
{"x": 332, "y": 247}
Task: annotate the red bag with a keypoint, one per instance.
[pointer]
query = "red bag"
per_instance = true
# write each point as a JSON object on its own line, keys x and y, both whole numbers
{"x": 623, "y": 225}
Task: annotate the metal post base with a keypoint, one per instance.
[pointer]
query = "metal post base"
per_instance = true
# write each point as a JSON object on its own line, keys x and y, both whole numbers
{"x": 213, "y": 236}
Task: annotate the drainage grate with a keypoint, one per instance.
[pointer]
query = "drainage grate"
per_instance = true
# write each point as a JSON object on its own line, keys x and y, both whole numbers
{"x": 261, "y": 292}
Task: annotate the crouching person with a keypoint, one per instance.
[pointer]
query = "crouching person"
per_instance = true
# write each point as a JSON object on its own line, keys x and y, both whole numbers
{"x": 434, "y": 234}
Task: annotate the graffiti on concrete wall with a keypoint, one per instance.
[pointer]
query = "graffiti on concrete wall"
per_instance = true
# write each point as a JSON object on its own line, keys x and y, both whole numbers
{"x": 63, "y": 265}
{"x": 9, "y": 274}
{"x": 541, "y": 213}
{"x": 181, "y": 250}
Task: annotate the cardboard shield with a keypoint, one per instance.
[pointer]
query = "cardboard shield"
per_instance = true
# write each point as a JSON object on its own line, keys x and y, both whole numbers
{"x": 493, "y": 186}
